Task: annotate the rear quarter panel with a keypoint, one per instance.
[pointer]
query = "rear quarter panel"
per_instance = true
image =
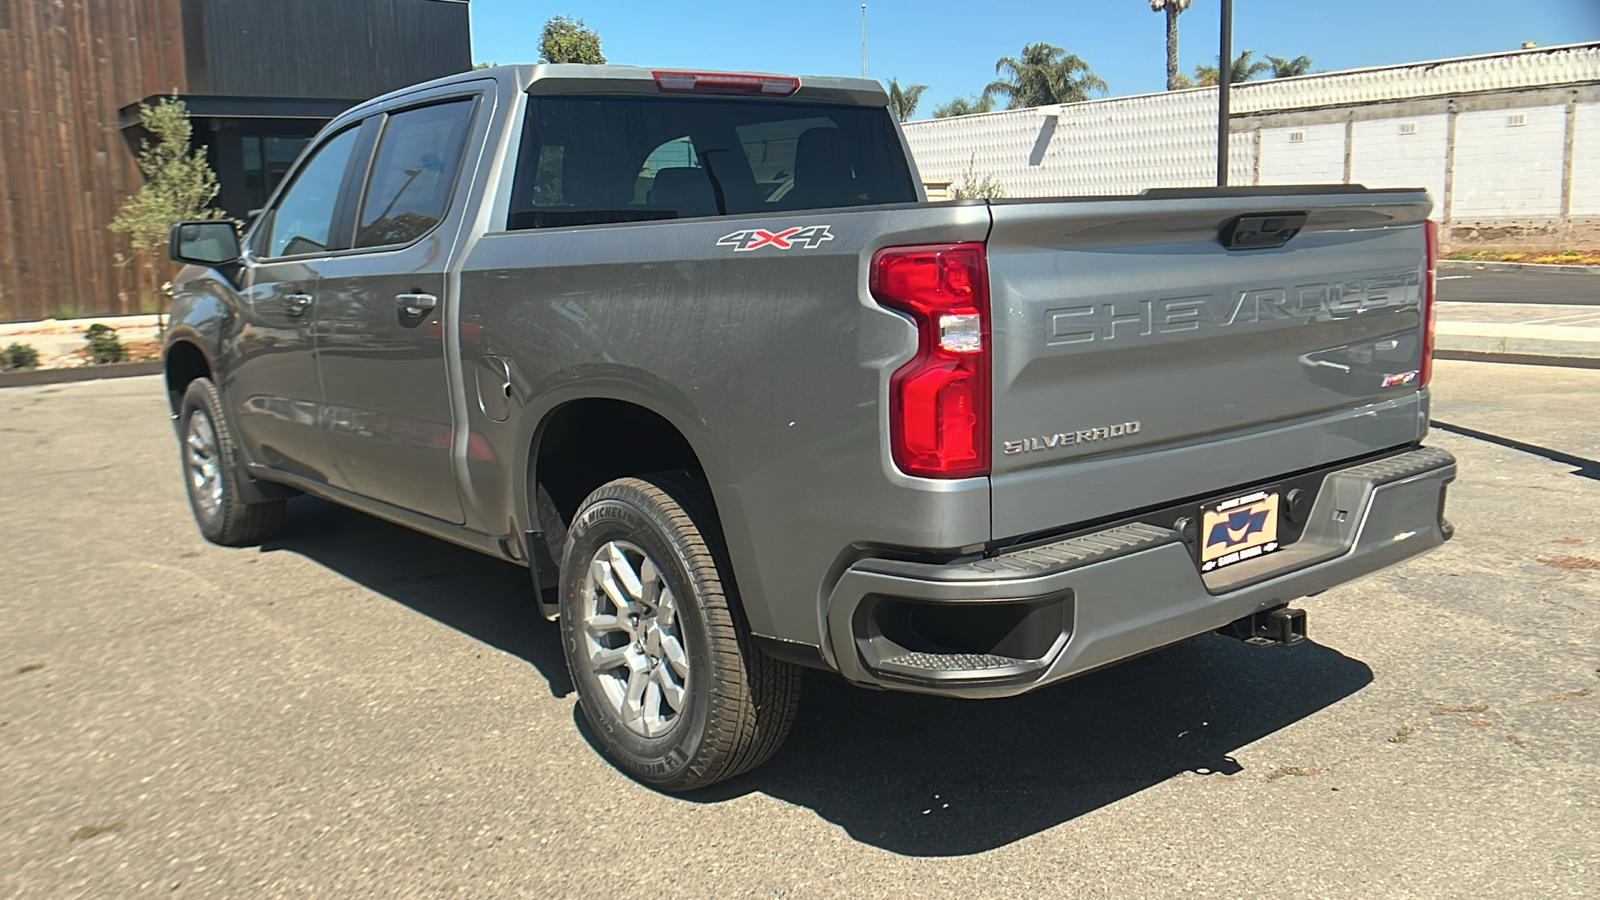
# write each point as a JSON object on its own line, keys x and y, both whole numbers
{"x": 772, "y": 363}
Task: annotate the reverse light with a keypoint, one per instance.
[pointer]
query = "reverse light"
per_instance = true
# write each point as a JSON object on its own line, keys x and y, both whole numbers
{"x": 939, "y": 401}
{"x": 726, "y": 83}
{"x": 1430, "y": 285}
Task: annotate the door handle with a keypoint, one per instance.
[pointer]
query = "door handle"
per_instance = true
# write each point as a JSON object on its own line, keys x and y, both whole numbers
{"x": 415, "y": 304}
{"x": 298, "y": 303}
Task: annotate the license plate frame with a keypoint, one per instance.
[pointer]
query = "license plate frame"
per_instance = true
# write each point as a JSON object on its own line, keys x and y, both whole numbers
{"x": 1239, "y": 528}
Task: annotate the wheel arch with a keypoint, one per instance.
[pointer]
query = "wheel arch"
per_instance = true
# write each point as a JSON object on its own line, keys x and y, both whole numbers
{"x": 582, "y": 441}
{"x": 183, "y": 361}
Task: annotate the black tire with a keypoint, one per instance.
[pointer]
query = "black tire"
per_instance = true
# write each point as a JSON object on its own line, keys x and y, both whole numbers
{"x": 738, "y": 703}
{"x": 222, "y": 514}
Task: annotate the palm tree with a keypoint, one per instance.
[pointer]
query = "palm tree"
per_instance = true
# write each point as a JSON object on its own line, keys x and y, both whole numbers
{"x": 903, "y": 100}
{"x": 1241, "y": 70}
{"x": 1046, "y": 74}
{"x": 963, "y": 106}
{"x": 1289, "y": 68}
{"x": 1172, "y": 8}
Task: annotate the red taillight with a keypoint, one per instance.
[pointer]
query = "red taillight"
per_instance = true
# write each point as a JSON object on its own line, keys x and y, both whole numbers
{"x": 727, "y": 83}
{"x": 939, "y": 401}
{"x": 1430, "y": 283}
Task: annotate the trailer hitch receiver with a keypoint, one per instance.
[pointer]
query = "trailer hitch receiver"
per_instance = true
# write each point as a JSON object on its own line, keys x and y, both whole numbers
{"x": 1280, "y": 625}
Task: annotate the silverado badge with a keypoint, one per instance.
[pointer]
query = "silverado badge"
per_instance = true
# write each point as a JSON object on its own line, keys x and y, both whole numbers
{"x": 1069, "y": 438}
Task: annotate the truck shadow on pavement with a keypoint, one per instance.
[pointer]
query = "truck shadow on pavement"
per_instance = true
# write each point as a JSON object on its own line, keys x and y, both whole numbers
{"x": 920, "y": 776}
{"x": 482, "y": 597}
{"x": 925, "y": 776}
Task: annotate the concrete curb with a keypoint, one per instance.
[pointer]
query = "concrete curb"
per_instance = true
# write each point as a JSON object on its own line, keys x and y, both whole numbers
{"x": 27, "y": 377}
{"x": 1520, "y": 359}
{"x": 1546, "y": 268}
{"x": 1523, "y": 340}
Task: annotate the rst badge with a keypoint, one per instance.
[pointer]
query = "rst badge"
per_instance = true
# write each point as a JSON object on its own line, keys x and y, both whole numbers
{"x": 809, "y": 237}
{"x": 1238, "y": 529}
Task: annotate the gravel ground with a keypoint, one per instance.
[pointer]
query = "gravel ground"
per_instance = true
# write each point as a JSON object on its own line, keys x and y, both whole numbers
{"x": 354, "y": 710}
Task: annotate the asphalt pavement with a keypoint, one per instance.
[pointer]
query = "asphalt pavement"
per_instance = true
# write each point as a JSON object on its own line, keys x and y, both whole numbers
{"x": 354, "y": 710}
{"x": 1464, "y": 284}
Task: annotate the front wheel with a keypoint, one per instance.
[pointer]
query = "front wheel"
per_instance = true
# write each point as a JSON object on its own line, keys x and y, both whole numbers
{"x": 211, "y": 474}
{"x": 665, "y": 673}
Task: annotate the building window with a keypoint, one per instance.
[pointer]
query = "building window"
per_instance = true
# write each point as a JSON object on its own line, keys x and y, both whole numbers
{"x": 266, "y": 160}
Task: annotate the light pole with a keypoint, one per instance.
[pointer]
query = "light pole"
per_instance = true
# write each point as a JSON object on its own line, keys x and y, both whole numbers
{"x": 863, "y": 40}
{"x": 1224, "y": 77}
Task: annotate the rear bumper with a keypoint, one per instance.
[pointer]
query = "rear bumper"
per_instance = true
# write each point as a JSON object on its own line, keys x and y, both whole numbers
{"x": 1026, "y": 619}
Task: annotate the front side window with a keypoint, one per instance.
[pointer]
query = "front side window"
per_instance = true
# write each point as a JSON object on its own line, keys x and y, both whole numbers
{"x": 303, "y": 220}
{"x": 594, "y": 160}
{"x": 419, "y": 157}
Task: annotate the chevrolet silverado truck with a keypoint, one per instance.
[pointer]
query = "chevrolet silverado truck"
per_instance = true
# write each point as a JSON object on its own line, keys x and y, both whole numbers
{"x": 694, "y": 348}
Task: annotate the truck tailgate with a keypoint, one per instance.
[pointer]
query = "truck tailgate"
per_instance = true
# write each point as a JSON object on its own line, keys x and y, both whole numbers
{"x": 1138, "y": 361}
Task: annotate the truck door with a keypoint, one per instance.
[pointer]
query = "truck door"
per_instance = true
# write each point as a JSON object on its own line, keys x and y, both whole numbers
{"x": 382, "y": 311}
{"x": 273, "y": 387}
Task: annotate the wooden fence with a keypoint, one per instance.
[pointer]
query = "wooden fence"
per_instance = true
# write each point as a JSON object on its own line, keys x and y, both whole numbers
{"x": 65, "y": 68}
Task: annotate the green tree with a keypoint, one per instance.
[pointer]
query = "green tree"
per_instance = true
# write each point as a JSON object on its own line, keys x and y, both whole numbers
{"x": 178, "y": 183}
{"x": 1243, "y": 69}
{"x": 1044, "y": 75}
{"x": 1289, "y": 68}
{"x": 978, "y": 185}
{"x": 567, "y": 41}
{"x": 964, "y": 106}
{"x": 903, "y": 100}
{"x": 1172, "y": 8}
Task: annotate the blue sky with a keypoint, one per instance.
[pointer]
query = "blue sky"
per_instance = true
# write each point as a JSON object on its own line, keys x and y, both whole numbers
{"x": 952, "y": 46}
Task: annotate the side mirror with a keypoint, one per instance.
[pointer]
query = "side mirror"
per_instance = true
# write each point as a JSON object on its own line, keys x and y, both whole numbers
{"x": 212, "y": 242}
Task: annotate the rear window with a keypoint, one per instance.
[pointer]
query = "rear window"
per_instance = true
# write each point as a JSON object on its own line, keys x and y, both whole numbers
{"x": 594, "y": 160}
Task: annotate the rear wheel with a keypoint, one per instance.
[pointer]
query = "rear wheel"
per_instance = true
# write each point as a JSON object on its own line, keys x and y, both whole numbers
{"x": 668, "y": 681}
{"x": 210, "y": 472}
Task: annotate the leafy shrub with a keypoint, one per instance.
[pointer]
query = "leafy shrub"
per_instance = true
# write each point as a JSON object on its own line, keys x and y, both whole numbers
{"x": 19, "y": 356}
{"x": 103, "y": 345}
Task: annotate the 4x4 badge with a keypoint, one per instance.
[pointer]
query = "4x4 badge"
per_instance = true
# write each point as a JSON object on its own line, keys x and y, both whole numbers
{"x": 809, "y": 237}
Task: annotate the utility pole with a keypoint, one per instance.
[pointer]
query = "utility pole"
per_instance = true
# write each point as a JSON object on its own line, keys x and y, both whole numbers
{"x": 1224, "y": 77}
{"x": 863, "y": 40}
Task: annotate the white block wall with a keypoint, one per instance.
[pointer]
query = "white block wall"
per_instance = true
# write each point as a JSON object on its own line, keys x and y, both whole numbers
{"x": 1317, "y": 158}
{"x": 1586, "y": 161}
{"x": 1382, "y": 156}
{"x": 1507, "y": 171}
{"x": 1510, "y": 173}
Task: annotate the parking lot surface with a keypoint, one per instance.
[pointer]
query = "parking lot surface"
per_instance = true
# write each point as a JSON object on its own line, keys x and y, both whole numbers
{"x": 1465, "y": 284}
{"x": 354, "y": 710}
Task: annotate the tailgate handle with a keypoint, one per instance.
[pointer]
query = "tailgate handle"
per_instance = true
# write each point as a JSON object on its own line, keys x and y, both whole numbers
{"x": 1255, "y": 231}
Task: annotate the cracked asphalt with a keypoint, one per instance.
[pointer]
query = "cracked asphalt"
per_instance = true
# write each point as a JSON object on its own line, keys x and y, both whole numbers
{"x": 354, "y": 710}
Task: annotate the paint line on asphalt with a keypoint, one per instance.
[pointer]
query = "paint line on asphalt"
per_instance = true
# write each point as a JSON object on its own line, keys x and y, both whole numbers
{"x": 1569, "y": 319}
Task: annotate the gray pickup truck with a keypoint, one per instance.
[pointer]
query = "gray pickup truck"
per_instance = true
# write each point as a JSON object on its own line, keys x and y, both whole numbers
{"x": 694, "y": 348}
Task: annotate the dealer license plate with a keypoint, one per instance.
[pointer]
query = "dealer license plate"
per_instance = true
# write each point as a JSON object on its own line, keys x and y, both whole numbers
{"x": 1238, "y": 529}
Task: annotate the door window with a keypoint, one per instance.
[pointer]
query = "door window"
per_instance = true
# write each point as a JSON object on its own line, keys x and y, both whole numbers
{"x": 303, "y": 220}
{"x": 418, "y": 159}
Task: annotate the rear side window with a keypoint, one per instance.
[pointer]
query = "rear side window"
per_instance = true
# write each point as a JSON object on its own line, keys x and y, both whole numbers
{"x": 419, "y": 157}
{"x": 594, "y": 160}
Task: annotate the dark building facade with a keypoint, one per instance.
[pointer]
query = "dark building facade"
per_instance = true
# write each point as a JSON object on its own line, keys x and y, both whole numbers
{"x": 259, "y": 77}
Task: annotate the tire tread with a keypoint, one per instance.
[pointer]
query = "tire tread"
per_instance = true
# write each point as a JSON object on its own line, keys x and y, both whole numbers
{"x": 760, "y": 695}
{"x": 242, "y": 523}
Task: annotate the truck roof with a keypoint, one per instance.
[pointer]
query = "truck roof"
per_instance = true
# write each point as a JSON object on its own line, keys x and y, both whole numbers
{"x": 575, "y": 78}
